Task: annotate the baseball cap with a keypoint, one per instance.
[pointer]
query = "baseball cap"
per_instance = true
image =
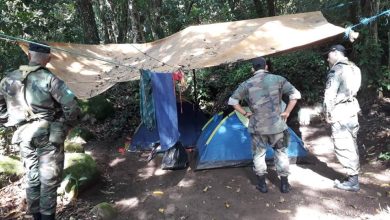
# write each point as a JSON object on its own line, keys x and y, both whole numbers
{"x": 259, "y": 61}
{"x": 39, "y": 48}
{"x": 337, "y": 47}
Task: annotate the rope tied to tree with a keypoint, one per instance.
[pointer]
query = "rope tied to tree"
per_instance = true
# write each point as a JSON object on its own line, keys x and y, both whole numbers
{"x": 364, "y": 21}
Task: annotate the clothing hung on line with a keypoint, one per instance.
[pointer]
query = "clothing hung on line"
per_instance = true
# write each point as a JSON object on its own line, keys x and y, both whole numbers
{"x": 164, "y": 102}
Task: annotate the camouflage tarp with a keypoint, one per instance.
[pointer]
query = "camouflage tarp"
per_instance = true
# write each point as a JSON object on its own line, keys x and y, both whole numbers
{"x": 192, "y": 48}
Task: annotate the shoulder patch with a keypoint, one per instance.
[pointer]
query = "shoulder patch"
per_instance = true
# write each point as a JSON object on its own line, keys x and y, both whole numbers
{"x": 330, "y": 77}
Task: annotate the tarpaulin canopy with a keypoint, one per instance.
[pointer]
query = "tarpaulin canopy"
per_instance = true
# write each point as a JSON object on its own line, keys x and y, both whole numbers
{"x": 85, "y": 70}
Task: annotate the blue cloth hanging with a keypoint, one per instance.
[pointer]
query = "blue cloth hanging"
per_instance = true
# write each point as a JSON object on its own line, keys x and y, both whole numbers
{"x": 147, "y": 110}
{"x": 165, "y": 108}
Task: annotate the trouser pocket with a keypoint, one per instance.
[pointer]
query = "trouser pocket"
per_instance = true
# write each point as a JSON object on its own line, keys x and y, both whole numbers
{"x": 57, "y": 133}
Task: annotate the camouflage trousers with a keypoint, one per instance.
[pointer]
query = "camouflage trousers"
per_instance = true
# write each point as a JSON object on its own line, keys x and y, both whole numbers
{"x": 279, "y": 142}
{"x": 344, "y": 134}
{"x": 44, "y": 163}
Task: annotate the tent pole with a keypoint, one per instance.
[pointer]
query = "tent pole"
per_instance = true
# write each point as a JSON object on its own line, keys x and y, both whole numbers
{"x": 195, "y": 91}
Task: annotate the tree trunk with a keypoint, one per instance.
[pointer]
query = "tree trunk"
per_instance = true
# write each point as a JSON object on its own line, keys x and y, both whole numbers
{"x": 122, "y": 20}
{"x": 102, "y": 18}
{"x": 155, "y": 19}
{"x": 271, "y": 8}
{"x": 353, "y": 13}
{"x": 136, "y": 32}
{"x": 87, "y": 17}
{"x": 258, "y": 7}
{"x": 369, "y": 9}
{"x": 388, "y": 49}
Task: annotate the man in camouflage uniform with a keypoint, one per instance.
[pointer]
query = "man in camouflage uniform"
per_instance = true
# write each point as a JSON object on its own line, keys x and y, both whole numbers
{"x": 341, "y": 108}
{"x": 42, "y": 109}
{"x": 267, "y": 121}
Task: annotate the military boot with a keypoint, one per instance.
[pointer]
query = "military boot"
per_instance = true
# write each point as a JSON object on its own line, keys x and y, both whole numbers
{"x": 284, "y": 186}
{"x": 261, "y": 184}
{"x": 48, "y": 217}
{"x": 37, "y": 216}
{"x": 351, "y": 184}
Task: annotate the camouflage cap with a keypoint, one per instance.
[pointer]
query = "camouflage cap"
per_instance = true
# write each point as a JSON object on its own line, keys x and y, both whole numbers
{"x": 41, "y": 48}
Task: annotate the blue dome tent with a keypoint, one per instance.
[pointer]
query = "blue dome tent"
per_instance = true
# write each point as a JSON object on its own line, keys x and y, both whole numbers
{"x": 190, "y": 122}
{"x": 226, "y": 142}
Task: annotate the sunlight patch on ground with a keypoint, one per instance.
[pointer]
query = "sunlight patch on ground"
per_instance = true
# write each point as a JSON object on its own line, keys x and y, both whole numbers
{"x": 381, "y": 176}
{"x": 299, "y": 175}
{"x": 186, "y": 183}
{"x": 160, "y": 172}
{"x": 315, "y": 212}
{"x": 116, "y": 161}
{"x": 127, "y": 204}
{"x": 147, "y": 172}
{"x": 322, "y": 145}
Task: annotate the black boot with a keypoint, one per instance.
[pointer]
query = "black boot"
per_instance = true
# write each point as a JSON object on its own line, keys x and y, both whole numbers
{"x": 284, "y": 186}
{"x": 37, "y": 216}
{"x": 261, "y": 185}
{"x": 352, "y": 184}
{"x": 48, "y": 217}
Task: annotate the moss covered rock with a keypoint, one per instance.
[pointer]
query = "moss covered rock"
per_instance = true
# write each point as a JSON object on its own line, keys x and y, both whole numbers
{"x": 79, "y": 132}
{"x": 11, "y": 168}
{"x": 79, "y": 171}
{"x": 104, "y": 211}
{"x": 11, "y": 165}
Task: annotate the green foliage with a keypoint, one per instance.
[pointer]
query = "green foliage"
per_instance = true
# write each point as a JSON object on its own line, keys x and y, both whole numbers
{"x": 99, "y": 106}
{"x": 85, "y": 134}
{"x": 216, "y": 84}
{"x": 80, "y": 167}
{"x": 10, "y": 165}
{"x": 306, "y": 70}
{"x": 35, "y": 20}
{"x": 384, "y": 156}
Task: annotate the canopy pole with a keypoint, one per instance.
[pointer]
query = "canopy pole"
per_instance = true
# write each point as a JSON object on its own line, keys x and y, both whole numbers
{"x": 195, "y": 91}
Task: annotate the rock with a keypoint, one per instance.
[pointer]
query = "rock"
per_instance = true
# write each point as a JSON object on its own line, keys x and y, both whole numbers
{"x": 11, "y": 165}
{"x": 79, "y": 172}
{"x": 104, "y": 211}
{"x": 11, "y": 168}
{"x": 76, "y": 139}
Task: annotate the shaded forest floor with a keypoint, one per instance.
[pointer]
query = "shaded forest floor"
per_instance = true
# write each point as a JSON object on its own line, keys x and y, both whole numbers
{"x": 141, "y": 190}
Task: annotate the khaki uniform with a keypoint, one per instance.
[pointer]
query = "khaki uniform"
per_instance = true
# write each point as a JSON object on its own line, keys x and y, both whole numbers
{"x": 263, "y": 93}
{"x": 42, "y": 108}
{"x": 341, "y": 108}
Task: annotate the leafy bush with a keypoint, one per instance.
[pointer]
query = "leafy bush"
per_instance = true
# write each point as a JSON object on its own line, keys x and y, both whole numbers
{"x": 99, "y": 106}
{"x": 306, "y": 70}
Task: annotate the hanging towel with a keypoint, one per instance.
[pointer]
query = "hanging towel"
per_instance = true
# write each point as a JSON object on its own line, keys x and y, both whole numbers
{"x": 147, "y": 110}
{"x": 165, "y": 107}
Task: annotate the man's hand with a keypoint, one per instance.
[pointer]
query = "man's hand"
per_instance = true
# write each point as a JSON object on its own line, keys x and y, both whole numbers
{"x": 248, "y": 114}
{"x": 285, "y": 115}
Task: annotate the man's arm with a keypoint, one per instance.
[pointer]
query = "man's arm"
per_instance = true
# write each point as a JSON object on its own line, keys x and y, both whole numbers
{"x": 234, "y": 100}
{"x": 290, "y": 106}
{"x": 64, "y": 96}
{"x": 3, "y": 110}
{"x": 293, "y": 96}
{"x": 332, "y": 86}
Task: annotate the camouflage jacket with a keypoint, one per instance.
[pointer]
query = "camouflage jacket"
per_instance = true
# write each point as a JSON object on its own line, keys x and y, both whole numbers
{"x": 33, "y": 92}
{"x": 263, "y": 93}
{"x": 343, "y": 83}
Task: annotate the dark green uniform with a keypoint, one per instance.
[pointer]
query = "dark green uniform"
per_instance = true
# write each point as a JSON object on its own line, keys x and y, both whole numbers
{"x": 263, "y": 93}
{"x": 42, "y": 108}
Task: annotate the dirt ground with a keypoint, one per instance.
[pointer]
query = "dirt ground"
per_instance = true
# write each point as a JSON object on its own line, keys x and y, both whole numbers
{"x": 141, "y": 190}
